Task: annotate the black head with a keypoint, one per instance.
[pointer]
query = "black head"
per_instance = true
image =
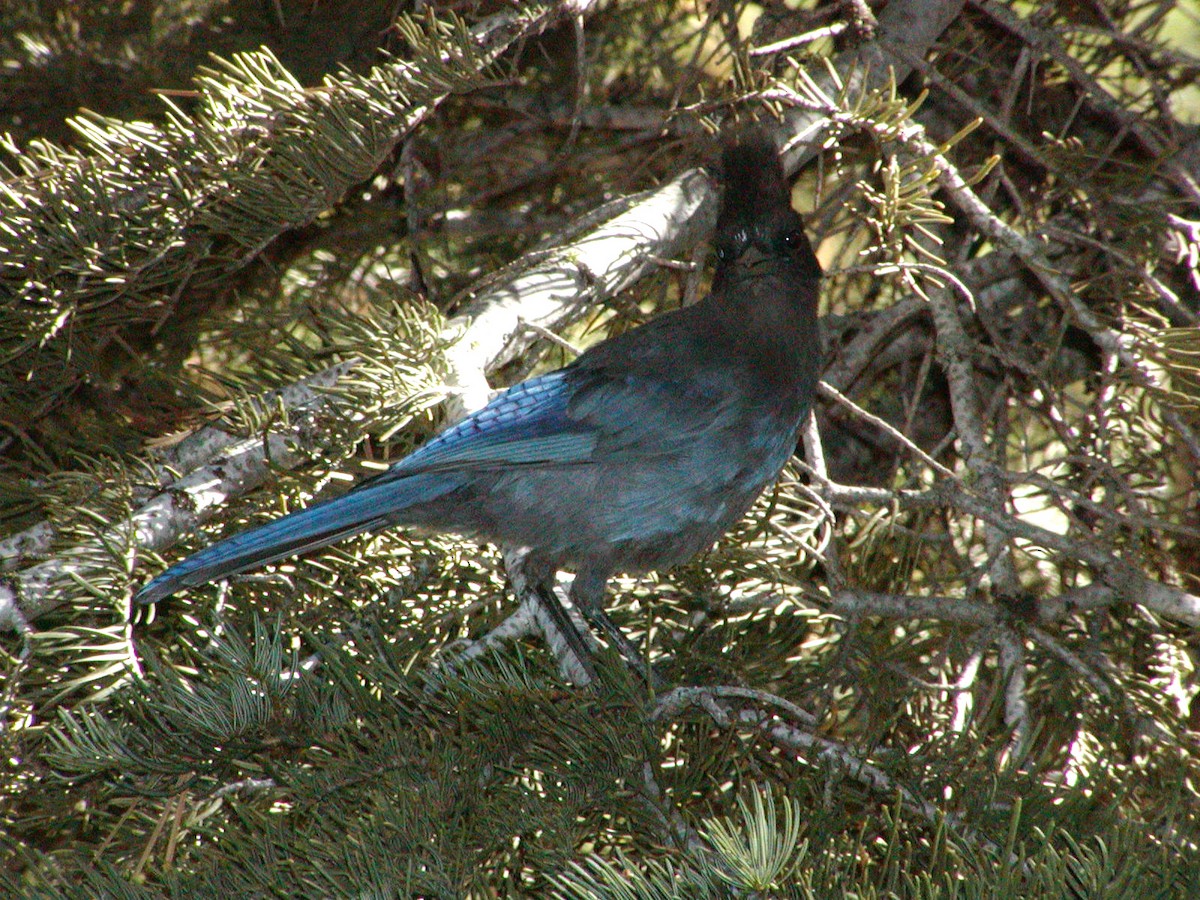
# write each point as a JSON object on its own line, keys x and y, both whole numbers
{"x": 756, "y": 208}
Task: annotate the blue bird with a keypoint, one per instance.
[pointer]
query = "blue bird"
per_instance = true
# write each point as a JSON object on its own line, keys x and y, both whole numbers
{"x": 636, "y": 456}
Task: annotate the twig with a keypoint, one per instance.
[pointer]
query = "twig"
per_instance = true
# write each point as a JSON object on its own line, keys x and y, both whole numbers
{"x": 1050, "y": 44}
{"x": 871, "y": 776}
{"x": 1016, "y": 704}
{"x": 827, "y": 390}
{"x": 799, "y": 40}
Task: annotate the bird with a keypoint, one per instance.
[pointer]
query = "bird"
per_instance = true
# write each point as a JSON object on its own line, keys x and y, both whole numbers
{"x": 634, "y": 457}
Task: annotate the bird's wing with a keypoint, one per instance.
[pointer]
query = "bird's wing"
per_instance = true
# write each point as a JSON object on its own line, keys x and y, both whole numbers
{"x": 526, "y": 425}
{"x": 641, "y": 415}
{"x": 561, "y": 418}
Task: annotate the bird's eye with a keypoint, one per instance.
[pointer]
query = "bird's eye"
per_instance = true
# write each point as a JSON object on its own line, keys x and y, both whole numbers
{"x": 793, "y": 240}
{"x": 732, "y": 246}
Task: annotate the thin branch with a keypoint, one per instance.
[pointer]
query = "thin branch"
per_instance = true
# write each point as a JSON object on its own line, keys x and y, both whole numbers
{"x": 827, "y": 390}
{"x": 869, "y": 775}
{"x": 1016, "y": 703}
{"x": 1049, "y": 43}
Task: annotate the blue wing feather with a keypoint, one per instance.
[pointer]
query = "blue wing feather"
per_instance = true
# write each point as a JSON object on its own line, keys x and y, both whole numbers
{"x": 526, "y": 425}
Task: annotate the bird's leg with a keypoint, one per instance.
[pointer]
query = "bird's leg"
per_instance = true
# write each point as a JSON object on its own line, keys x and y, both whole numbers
{"x": 587, "y": 593}
{"x": 565, "y": 629}
{"x": 568, "y": 640}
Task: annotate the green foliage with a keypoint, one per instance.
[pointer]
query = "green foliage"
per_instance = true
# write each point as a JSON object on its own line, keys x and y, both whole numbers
{"x": 261, "y": 775}
{"x": 760, "y": 850}
{"x": 445, "y": 778}
{"x": 103, "y": 242}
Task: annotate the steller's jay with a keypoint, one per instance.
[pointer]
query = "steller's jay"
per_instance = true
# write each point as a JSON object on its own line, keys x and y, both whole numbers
{"x": 636, "y": 456}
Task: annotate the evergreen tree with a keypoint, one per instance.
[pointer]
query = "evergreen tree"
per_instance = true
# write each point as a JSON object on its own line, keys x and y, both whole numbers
{"x": 251, "y": 252}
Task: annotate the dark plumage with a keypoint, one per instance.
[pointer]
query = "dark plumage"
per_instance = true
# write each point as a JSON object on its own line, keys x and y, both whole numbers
{"x": 637, "y": 455}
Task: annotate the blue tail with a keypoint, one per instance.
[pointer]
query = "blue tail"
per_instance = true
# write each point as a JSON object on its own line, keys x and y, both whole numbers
{"x": 372, "y": 505}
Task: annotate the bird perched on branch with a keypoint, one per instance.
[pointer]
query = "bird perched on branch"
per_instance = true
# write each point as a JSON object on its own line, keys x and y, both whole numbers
{"x": 636, "y": 456}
